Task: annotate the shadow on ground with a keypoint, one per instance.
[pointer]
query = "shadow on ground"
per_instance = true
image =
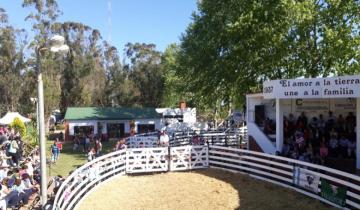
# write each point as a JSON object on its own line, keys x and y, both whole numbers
{"x": 255, "y": 194}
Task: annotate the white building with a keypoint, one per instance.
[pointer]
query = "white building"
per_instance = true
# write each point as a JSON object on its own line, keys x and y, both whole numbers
{"x": 111, "y": 121}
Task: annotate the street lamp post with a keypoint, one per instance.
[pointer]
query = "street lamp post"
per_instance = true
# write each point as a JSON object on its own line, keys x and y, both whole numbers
{"x": 34, "y": 100}
{"x": 57, "y": 45}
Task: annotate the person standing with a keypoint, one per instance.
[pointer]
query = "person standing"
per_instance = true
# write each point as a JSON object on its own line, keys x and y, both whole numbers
{"x": 164, "y": 139}
{"x": 98, "y": 147}
{"x": 13, "y": 149}
{"x": 59, "y": 145}
{"x": 54, "y": 152}
{"x": 87, "y": 143}
{"x": 91, "y": 154}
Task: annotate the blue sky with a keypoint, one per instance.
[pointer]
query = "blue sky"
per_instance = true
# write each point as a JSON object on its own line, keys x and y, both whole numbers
{"x": 150, "y": 21}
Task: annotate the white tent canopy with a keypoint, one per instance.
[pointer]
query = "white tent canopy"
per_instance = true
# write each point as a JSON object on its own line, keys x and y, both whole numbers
{"x": 10, "y": 116}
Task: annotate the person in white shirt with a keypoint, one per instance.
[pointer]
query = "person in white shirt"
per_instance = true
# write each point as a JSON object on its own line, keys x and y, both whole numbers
{"x": 4, "y": 191}
{"x": 30, "y": 168}
{"x": 164, "y": 139}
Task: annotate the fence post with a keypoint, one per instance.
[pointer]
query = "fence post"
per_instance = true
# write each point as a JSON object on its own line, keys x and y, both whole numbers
{"x": 241, "y": 140}
{"x": 174, "y": 139}
{"x": 169, "y": 158}
{"x": 226, "y": 141}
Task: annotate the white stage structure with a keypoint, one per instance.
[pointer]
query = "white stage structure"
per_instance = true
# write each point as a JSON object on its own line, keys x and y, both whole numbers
{"x": 314, "y": 96}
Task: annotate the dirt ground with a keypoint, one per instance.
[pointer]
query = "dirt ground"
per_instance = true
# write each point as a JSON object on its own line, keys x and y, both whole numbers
{"x": 201, "y": 190}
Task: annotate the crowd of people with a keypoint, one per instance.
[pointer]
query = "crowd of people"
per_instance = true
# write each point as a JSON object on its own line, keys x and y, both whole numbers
{"x": 319, "y": 138}
{"x": 19, "y": 174}
{"x": 90, "y": 143}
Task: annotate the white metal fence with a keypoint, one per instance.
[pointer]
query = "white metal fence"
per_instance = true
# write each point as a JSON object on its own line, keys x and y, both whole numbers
{"x": 236, "y": 139}
{"x": 319, "y": 182}
{"x": 188, "y": 157}
{"x": 87, "y": 176}
{"x": 146, "y": 160}
{"x": 142, "y": 141}
{"x": 334, "y": 187}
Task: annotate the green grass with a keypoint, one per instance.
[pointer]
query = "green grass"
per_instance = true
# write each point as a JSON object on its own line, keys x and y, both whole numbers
{"x": 69, "y": 159}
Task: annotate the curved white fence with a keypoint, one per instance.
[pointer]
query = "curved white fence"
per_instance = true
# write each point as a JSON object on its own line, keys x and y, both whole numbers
{"x": 316, "y": 181}
{"x": 331, "y": 186}
{"x": 87, "y": 176}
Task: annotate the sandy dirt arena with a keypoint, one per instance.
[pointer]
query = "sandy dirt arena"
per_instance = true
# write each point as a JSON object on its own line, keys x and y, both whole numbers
{"x": 201, "y": 190}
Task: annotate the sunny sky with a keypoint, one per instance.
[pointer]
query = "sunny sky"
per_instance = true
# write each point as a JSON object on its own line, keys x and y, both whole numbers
{"x": 150, "y": 21}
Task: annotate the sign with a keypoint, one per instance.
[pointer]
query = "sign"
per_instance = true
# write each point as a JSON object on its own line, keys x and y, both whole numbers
{"x": 346, "y": 105}
{"x": 332, "y": 193}
{"x": 335, "y": 87}
{"x": 306, "y": 179}
{"x": 307, "y": 105}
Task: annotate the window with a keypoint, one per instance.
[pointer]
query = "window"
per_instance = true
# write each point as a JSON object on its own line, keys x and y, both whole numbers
{"x": 115, "y": 130}
{"x": 145, "y": 128}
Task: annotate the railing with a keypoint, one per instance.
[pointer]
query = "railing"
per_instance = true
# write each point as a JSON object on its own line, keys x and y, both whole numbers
{"x": 261, "y": 139}
{"x": 142, "y": 141}
{"x": 227, "y": 138}
{"x": 337, "y": 188}
{"x": 230, "y": 139}
{"x": 87, "y": 176}
{"x": 331, "y": 186}
{"x": 140, "y": 160}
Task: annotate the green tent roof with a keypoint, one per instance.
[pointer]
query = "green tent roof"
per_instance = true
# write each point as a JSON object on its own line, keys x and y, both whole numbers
{"x": 110, "y": 113}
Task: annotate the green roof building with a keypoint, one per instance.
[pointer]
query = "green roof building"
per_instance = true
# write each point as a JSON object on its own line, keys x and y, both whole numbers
{"x": 112, "y": 122}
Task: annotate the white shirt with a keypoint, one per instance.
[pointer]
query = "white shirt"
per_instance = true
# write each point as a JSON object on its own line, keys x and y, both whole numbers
{"x": 30, "y": 169}
{"x": 164, "y": 139}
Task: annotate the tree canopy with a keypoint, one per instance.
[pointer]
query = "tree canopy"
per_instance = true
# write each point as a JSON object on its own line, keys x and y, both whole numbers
{"x": 232, "y": 46}
{"x": 228, "y": 50}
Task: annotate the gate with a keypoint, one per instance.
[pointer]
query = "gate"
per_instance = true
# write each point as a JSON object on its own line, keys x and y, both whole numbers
{"x": 146, "y": 160}
{"x": 188, "y": 157}
{"x": 142, "y": 160}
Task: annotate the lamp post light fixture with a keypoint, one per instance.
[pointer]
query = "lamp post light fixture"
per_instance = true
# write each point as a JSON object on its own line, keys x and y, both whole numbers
{"x": 35, "y": 101}
{"x": 56, "y": 45}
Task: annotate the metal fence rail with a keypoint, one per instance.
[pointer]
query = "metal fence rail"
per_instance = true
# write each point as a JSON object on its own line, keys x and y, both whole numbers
{"x": 337, "y": 188}
{"x": 188, "y": 157}
{"x": 231, "y": 139}
{"x": 142, "y": 160}
{"x": 319, "y": 182}
{"x": 87, "y": 176}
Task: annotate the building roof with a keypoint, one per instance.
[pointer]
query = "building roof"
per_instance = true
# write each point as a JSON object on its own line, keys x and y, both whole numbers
{"x": 110, "y": 113}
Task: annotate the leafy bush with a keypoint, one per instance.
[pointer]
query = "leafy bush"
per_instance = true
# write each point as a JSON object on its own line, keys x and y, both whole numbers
{"x": 18, "y": 126}
{"x": 32, "y": 137}
{"x": 60, "y": 127}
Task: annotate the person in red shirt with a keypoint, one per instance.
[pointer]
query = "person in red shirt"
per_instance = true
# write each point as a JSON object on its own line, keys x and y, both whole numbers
{"x": 59, "y": 144}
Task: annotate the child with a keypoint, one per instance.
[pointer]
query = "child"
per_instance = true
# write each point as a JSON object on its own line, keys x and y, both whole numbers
{"x": 98, "y": 147}
{"x": 91, "y": 154}
{"x": 54, "y": 152}
{"x": 76, "y": 143}
{"x": 123, "y": 144}
{"x": 59, "y": 144}
{"x": 324, "y": 151}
